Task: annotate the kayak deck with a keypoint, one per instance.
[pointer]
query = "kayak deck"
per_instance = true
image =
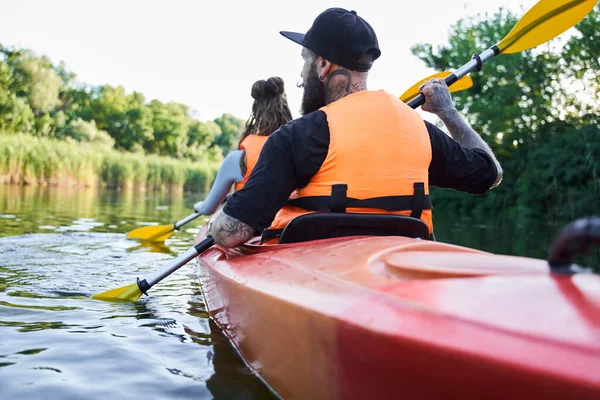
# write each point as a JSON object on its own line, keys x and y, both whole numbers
{"x": 373, "y": 317}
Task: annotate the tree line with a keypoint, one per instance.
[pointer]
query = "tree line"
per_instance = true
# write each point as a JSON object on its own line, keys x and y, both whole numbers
{"x": 539, "y": 110}
{"x": 43, "y": 99}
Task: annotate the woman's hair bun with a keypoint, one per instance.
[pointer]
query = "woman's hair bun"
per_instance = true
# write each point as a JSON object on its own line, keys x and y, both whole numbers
{"x": 271, "y": 87}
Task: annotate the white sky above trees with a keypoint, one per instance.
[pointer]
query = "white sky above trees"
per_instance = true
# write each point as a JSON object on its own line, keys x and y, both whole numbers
{"x": 207, "y": 54}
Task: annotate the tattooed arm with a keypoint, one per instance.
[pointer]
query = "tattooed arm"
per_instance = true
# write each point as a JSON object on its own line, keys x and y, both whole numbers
{"x": 439, "y": 102}
{"x": 228, "y": 231}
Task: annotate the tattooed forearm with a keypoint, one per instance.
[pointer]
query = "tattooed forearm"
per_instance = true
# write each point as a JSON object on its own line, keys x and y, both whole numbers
{"x": 467, "y": 137}
{"x": 228, "y": 231}
{"x": 439, "y": 102}
{"x": 461, "y": 131}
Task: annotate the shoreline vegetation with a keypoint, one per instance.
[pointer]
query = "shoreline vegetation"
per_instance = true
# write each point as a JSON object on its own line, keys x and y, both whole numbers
{"x": 36, "y": 161}
{"x": 55, "y": 130}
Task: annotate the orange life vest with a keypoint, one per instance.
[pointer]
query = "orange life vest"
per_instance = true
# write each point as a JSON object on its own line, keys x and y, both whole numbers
{"x": 377, "y": 162}
{"x": 252, "y": 145}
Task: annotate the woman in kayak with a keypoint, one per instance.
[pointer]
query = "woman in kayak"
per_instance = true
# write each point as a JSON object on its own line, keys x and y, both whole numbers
{"x": 269, "y": 111}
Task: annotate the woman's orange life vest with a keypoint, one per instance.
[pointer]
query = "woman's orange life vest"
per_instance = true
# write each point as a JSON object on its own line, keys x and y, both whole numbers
{"x": 252, "y": 145}
{"x": 377, "y": 162}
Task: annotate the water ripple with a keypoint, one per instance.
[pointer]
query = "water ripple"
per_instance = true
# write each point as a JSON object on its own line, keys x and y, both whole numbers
{"x": 57, "y": 343}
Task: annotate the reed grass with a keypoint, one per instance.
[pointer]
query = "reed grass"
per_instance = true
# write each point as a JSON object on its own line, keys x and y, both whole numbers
{"x": 26, "y": 159}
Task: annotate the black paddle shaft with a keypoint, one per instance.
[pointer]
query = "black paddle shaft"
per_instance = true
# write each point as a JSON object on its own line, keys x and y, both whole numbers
{"x": 204, "y": 245}
{"x": 420, "y": 99}
{"x": 175, "y": 264}
{"x": 474, "y": 65}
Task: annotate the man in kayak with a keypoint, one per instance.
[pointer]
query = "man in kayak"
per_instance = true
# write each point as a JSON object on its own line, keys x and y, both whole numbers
{"x": 354, "y": 150}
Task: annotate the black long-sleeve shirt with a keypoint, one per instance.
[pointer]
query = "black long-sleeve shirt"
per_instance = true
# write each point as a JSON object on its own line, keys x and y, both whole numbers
{"x": 295, "y": 152}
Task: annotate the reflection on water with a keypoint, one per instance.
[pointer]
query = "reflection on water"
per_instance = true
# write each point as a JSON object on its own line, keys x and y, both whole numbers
{"x": 58, "y": 343}
{"x": 519, "y": 238}
{"x": 27, "y": 209}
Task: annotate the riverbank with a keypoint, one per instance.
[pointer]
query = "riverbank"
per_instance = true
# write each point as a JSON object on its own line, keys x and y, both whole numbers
{"x": 29, "y": 160}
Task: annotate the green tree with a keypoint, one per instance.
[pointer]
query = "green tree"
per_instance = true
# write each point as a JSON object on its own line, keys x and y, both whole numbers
{"x": 86, "y": 131}
{"x": 562, "y": 177}
{"x": 15, "y": 113}
{"x": 137, "y": 124}
{"x": 45, "y": 125}
{"x": 67, "y": 77}
{"x": 504, "y": 88}
{"x": 529, "y": 114}
{"x": 231, "y": 128}
{"x": 581, "y": 65}
{"x": 201, "y": 133}
{"x": 125, "y": 117}
{"x": 76, "y": 103}
{"x": 35, "y": 79}
{"x": 170, "y": 125}
{"x": 108, "y": 107}
{"x": 200, "y": 141}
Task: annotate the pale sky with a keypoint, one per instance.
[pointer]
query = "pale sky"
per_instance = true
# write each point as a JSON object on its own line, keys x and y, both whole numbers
{"x": 207, "y": 54}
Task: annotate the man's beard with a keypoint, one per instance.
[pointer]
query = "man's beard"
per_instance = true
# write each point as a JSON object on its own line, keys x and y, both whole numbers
{"x": 313, "y": 97}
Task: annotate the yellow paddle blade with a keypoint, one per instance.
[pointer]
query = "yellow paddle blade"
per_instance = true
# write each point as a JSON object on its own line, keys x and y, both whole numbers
{"x": 543, "y": 22}
{"x": 125, "y": 293}
{"x": 464, "y": 83}
{"x": 158, "y": 233}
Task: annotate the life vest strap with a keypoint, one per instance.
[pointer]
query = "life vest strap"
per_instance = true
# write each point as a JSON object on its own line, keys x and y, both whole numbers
{"x": 418, "y": 200}
{"x": 268, "y": 234}
{"x": 338, "y": 202}
{"x": 338, "y": 198}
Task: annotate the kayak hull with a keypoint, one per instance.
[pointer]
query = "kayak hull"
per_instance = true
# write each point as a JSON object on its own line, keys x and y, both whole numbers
{"x": 384, "y": 317}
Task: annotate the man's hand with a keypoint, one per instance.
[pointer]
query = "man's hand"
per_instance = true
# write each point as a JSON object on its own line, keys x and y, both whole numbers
{"x": 228, "y": 231}
{"x": 437, "y": 97}
{"x": 439, "y": 102}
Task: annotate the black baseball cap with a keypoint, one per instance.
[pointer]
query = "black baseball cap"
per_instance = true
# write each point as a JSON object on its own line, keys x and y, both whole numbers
{"x": 341, "y": 37}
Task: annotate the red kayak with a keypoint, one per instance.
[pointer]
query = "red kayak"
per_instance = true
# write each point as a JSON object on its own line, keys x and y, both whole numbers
{"x": 378, "y": 317}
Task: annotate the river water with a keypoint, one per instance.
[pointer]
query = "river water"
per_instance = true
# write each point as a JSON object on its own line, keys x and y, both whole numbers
{"x": 58, "y": 246}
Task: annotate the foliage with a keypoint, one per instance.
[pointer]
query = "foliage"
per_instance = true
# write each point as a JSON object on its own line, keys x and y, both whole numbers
{"x": 36, "y": 80}
{"x": 84, "y": 131}
{"x": 42, "y": 99}
{"x": 231, "y": 128}
{"x": 15, "y": 113}
{"x": 170, "y": 124}
{"x": 36, "y": 160}
{"x": 581, "y": 63}
{"x": 531, "y": 109}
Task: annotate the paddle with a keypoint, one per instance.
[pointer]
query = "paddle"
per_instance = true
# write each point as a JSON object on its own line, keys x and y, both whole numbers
{"x": 543, "y": 22}
{"x": 462, "y": 84}
{"x": 160, "y": 233}
{"x": 134, "y": 291}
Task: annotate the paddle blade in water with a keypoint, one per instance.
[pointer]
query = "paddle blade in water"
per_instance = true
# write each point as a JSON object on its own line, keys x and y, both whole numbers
{"x": 125, "y": 293}
{"x": 464, "y": 83}
{"x": 543, "y": 22}
{"x": 158, "y": 233}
